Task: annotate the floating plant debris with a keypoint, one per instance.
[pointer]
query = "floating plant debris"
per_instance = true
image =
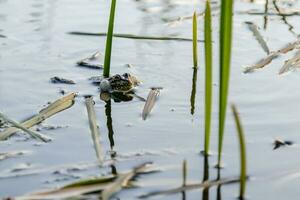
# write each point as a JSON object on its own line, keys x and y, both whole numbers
{"x": 132, "y": 36}
{"x": 188, "y": 186}
{"x": 12, "y": 154}
{"x": 34, "y": 134}
{"x": 53, "y": 108}
{"x": 280, "y": 143}
{"x": 94, "y": 127}
{"x": 290, "y": 64}
{"x": 265, "y": 61}
{"x": 176, "y": 21}
{"x": 57, "y": 79}
{"x": 151, "y": 99}
{"x": 254, "y": 28}
{"x": 86, "y": 62}
{"x": 282, "y": 13}
{"x": 107, "y": 185}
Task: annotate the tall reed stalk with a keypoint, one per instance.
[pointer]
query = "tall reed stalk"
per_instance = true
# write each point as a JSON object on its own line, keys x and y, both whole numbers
{"x": 109, "y": 39}
{"x": 195, "y": 40}
{"x": 243, "y": 173}
{"x": 225, "y": 56}
{"x": 208, "y": 76}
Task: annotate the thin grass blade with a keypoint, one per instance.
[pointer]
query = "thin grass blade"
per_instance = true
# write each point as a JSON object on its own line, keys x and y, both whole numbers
{"x": 195, "y": 40}
{"x": 243, "y": 159}
{"x": 109, "y": 39}
{"x": 208, "y": 76}
{"x": 136, "y": 37}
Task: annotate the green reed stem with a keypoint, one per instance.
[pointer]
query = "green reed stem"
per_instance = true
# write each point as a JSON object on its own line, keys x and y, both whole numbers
{"x": 195, "y": 40}
{"x": 109, "y": 39}
{"x": 243, "y": 175}
{"x": 208, "y": 76}
{"x": 225, "y": 56}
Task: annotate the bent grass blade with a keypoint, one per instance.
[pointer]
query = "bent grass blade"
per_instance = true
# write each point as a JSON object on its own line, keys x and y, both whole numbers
{"x": 33, "y": 134}
{"x": 55, "y": 107}
{"x": 243, "y": 159}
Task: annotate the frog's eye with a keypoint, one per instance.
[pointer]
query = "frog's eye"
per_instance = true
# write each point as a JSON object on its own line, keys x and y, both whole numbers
{"x": 117, "y": 77}
{"x": 126, "y": 75}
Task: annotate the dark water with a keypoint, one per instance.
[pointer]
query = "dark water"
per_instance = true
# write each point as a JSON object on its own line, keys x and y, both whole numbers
{"x": 37, "y": 48}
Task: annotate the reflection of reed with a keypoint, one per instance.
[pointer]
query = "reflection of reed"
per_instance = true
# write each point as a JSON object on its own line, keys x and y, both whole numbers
{"x": 110, "y": 135}
{"x": 184, "y": 176}
{"x": 283, "y": 17}
{"x": 205, "y": 192}
{"x": 109, "y": 124}
{"x": 193, "y": 92}
{"x": 266, "y": 14}
{"x": 219, "y": 191}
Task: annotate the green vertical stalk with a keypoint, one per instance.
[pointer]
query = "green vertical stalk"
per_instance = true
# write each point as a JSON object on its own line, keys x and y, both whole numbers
{"x": 208, "y": 76}
{"x": 109, "y": 39}
{"x": 225, "y": 56}
{"x": 195, "y": 40}
{"x": 243, "y": 175}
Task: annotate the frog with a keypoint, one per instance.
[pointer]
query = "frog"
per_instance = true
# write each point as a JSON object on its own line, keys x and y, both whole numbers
{"x": 119, "y": 88}
{"x": 124, "y": 83}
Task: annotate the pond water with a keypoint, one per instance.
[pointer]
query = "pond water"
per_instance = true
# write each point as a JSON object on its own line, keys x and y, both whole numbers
{"x": 37, "y": 46}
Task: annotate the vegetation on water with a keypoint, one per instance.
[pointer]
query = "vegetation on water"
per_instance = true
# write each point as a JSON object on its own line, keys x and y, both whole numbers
{"x": 225, "y": 58}
{"x": 243, "y": 159}
{"x": 208, "y": 76}
{"x": 195, "y": 40}
{"x": 107, "y": 186}
{"x": 109, "y": 39}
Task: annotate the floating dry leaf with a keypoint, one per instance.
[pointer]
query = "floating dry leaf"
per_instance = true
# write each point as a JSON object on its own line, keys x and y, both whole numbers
{"x": 265, "y": 61}
{"x": 122, "y": 181}
{"x": 86, "y": 61}
{"x": 57, "y": 79}
{"x": 94, "y": 127}
{"x": 55, "y": 107}
{"x": 151, "y": 99}
{"x": 254, "y": 29}
{"x": 11, "y": 154}
{"x": 33, "y": 134}
{"x": 290, "y": 64}
{"x": 109, "y": 185}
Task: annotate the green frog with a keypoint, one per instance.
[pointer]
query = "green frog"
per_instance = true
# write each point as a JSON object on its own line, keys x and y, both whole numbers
{"x": 119, "y": 83}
